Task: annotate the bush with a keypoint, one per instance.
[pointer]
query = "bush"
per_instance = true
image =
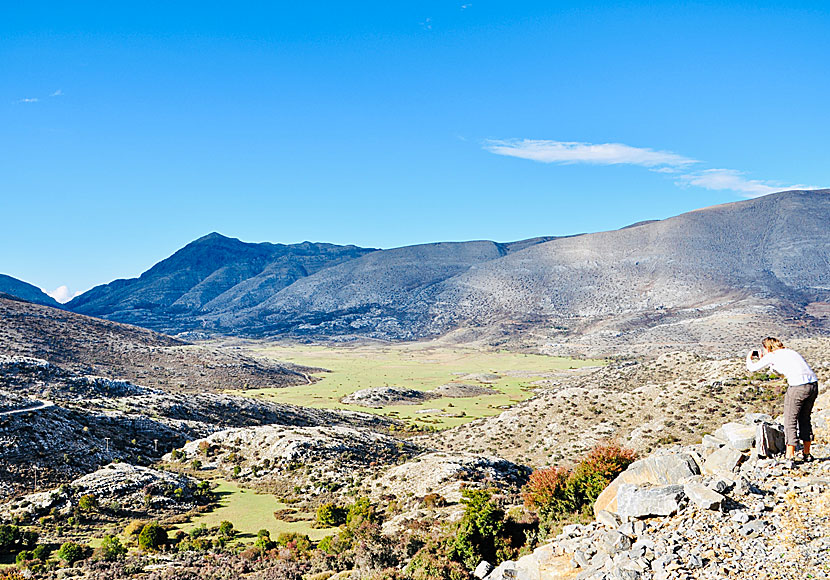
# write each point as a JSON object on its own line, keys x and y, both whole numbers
{"x": 41, "y": 552}
{"x": 263, "y": 540}
{"x": 88, "y": 503}
{"x": 478, "y": 532}
{"x": 134, "y": 528}
{"x": 361, "y": 511}
{"x": 330, "y": 515}
{"x": 152, "y": 537}
{"x": 431, "y": 563}
{"x": 299, "y": 542}
{"x": 226, "y": 530}
{"x": 111, "y": 549}
{"x": 433, "y": 500}
{"x": 196, "y": 465}
{"x": 70, "y": 552}
{"x": 557, "y": 491}
{"x": 598, "y": 469}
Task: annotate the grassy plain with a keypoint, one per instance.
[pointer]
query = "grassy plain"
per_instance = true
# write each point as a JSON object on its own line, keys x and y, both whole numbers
{"x": 421, "y": 366}
{"x": 250, "y": 512}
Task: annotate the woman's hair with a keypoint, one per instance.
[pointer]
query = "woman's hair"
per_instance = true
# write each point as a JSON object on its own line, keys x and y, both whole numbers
{"x": 772, "y": 344}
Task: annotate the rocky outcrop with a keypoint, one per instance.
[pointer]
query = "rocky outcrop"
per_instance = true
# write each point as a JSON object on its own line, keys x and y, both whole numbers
{"x": 380, "y": 397}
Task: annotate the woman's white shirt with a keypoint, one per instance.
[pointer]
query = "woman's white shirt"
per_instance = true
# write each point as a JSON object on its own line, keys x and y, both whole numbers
{"x": 787, "y": 362}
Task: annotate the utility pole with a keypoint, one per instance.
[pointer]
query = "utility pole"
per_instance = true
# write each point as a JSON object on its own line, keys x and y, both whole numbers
{"x": 156, "y": 444}
{"x": 107, "y": 439}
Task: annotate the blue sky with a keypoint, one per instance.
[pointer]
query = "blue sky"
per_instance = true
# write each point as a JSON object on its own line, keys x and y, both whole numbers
{"x": 130, "y": 129}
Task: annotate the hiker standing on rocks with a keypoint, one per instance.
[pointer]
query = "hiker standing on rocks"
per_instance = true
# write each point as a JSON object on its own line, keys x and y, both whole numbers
{"x": 802, "y": 391}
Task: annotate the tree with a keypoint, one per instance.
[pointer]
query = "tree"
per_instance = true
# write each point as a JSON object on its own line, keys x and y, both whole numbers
{"x": 152, "y": 537}
{"x": 88, "y": 503}
{"x": 477, "y": 535}
{"x": 111, "y": 549}
{"x": 330, "y": 515}
{"x": 71, "y": 552}
{"x": 263, "y": 540}
{"x": 226, "y": 530}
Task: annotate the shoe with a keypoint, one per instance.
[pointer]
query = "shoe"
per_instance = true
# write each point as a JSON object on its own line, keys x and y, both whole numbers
{"x": 807, "y": 458}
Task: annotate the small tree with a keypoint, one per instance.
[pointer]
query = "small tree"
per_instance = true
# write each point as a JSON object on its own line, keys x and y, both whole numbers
{"x": 111, "y": 549}
{"x": 478, "y": 531}
{"x": 71, "y": 552}
{"x": 263, "y": 540}
{"x": 226, "y": 530}
{"x": 330, "y": 515}
{"x": 88, "y": 503}
{"x": 152, "y": 537}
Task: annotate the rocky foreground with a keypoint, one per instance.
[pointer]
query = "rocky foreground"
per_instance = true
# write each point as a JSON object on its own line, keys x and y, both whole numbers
{"x": 720, "y": 509}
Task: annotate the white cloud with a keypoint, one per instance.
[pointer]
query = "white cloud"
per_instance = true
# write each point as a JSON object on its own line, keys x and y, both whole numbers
{"x": 58, "y": 93}
{"x": 677, "y": 166}
{"x": 29, "y": 100}
{"x": 62, "y": 294}
{"x": 731, "y": 179}
{"x": 570, "y": 152}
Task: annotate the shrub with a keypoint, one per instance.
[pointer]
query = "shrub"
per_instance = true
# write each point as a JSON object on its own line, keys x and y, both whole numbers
{"x": 134, "y": 528}
{"x": 196, "y": 465}
{"x": 198, "y": 531}
{"x": 226, "y": 530}
{"x": 111, "y": 549}
{"x": 41, "y": 552}
{"x": 299, "y": 542}
{"x": 330, "y": 515}
{"x": 71, "y": 552}
{"x": 263, "y": 540}
{"x": 433, "y": 500}
{"x": 598, "y": 469}
{"x": 478, "y": 532}
{"x": 548, "y": 491}
{"x": 152, "y": 537}
{"x": 88, "y": 503}
{"x": 431, "y": 563}
{"x": 23, "y": 557}
{"x": 361, "y": 511}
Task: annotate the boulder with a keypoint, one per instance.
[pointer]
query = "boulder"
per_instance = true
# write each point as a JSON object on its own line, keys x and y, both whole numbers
{"x": 639, "y": 502}
{"x": 644, "y": 502}
{"x": 724, "y": 459}
{"x": 608, "y": 519}
{"x": 703, "y": 497}
{"x": 484, "y": 567}
{"x": 711, "y": 442}
{"x": 666, "y": 469}
{"x": 737, "y": 435}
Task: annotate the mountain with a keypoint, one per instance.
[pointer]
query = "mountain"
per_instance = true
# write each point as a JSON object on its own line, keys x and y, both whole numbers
{"x": 714, "y": 276}
{"x": 91, "y": 346}
{"x": 213, "y": 272}
{"x": 26, "y": 291}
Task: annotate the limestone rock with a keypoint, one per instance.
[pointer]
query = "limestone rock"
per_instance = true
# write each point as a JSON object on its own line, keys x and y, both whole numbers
{"x": 666, "y": 469}
{"x": 737, "y": 435}
{"x": 637, "y": 502}
{"x": 703, "y": 497}
{"x": 769, "y": 440}
{"x": 724, "y": 459}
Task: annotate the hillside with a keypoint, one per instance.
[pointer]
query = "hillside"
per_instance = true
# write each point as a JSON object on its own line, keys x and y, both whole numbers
{"x": 99, "y": 347}
{"x": 24, "y": 290}
{"x": 716, "y": 276}
{"x": 212, "y": 273}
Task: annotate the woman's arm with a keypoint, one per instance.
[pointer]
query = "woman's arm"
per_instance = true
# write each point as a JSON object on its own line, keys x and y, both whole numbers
{"x": 752, "y": 365}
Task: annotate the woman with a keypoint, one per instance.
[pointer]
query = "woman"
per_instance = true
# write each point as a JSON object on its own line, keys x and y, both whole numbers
{"x": 801, "y": 392}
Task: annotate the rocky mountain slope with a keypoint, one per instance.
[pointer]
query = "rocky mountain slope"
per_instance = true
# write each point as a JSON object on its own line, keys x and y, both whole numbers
{"x": 211, "y": 273}
{"x": 20, "y": 289}
{"x": 714, "y": 276}
{"x": 99, "y": 347}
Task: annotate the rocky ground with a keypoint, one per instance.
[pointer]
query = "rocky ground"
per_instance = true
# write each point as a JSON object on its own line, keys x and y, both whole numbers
{"x": 643, "y": 404}
{"x": 714, "y": 510}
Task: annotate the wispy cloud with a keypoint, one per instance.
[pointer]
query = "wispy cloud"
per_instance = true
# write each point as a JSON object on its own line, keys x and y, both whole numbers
{"x": 58, "y": 93}
{"x": 465, "y": 6}
{"x": 679, "y": 166}
{"x": 63, "y": 294}
{"x": 427, "y": 24}
{"x": 29, "y": 100}
{"x": 569, "y": 152}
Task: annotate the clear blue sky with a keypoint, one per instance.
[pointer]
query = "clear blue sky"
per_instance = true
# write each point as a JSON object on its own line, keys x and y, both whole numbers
{"x": 132, "y": 128}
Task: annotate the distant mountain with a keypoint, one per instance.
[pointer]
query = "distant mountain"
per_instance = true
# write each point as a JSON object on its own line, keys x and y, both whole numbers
{"x": 708, "y": 276}
{"x": 26, "y": 291}
{"x": 212, "y": 273}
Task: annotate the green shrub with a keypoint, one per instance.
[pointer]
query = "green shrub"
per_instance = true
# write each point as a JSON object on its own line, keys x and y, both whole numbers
{"x": 431, "y": 563}
{"x": 263, "y": 540}
{"x": 71, "y": 552}
{"x": 41, "y": 552}
{"x": 597, "y": 470}
{"x": 88, "y": 503}
{"x": 330, "y": 515}
{"x": 299, "y": 542}
{"x": 111, "y": 549}
{"x": 478, "y": 532}
{"x": 152, "y": 537}
{"x": 362, "y": 510}
{"x": 226, "y": 530}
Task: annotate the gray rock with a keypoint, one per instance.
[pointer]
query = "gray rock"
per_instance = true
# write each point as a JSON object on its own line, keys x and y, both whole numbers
{"x": 712, "y": 442}
{"x": 694, "y": 562}
{"x": 484, "y": 567}
{"x": 756, "y": 418}
{"x": 666, "y": 469}
{"x": 636, "y": 502}
{"x": 753, "y": 529}
{"x": 703, "y": 497}
{"x": 740, "y": 516}
{"x": 582, "y": 559}
{"x": 614, "y": 542}
{"x": 737, "y": 435}
{"x": 724, "y": 459}
{"x": 608, "y": 519}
